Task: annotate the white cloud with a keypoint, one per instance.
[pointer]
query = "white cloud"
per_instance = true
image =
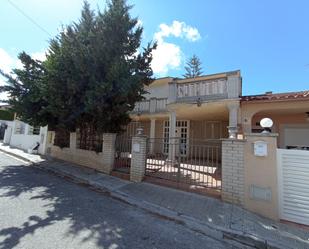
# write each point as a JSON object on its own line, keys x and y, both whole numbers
{"x": 6, "y": 61}
{"x": 139, "y": 22}
{"x": 169, "y": 55}
{"x": 41, "y": 56}
{"x": 179, "y": 30}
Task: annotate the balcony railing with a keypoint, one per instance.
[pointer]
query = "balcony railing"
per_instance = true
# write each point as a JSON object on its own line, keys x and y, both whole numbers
{"x": 153, "y": 105}
{"x": 203, "y": 89}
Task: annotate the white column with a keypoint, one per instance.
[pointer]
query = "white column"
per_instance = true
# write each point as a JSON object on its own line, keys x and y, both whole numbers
{"x": 172, "y": 135}
{"x": 152, "y": 134}
{"x": 172, "y": 92}
{"x": 233, "y": 118}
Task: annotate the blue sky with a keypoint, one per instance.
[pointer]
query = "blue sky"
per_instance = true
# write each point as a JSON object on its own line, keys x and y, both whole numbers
{"x": 267, "y": 40}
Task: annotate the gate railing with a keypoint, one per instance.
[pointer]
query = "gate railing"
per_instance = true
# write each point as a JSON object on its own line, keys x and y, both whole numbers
{"x": 191, "y": 162}
{"x": 123, "y": 146}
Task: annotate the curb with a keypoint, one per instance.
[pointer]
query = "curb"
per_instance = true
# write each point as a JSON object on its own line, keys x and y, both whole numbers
{"x": 17, "y": 156}
{"x": 213, "y": 231}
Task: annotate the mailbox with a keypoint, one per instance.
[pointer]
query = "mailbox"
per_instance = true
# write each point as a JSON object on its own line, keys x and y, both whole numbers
{"x": 136, "y": 147}
{"x": 260, "y": 148}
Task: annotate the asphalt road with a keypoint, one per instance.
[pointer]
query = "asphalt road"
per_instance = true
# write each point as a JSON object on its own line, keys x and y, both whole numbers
{"x": 40, "y": 210}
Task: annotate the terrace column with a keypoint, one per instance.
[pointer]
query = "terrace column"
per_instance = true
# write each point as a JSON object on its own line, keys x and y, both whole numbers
{"x": 233, "y": 118}
{"x": 152, "y": 134}
{"x": 172, "y": 137}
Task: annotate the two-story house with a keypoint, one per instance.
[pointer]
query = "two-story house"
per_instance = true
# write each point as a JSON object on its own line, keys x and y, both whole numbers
{"x": 194, "y": 110}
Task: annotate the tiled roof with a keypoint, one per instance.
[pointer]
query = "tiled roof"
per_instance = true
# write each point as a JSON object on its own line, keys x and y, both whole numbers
{"x": 277, "y": 96}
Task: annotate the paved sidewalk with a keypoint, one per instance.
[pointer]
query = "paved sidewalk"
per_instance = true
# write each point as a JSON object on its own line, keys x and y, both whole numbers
{"x": 207, "y": 215}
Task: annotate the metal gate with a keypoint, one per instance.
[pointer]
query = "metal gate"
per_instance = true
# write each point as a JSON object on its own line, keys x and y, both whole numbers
{"x": 123, "y": 147}
{"x": 122, "y": 161}
{"x": 293, "y": 178}
{"x": 193, "y": 165}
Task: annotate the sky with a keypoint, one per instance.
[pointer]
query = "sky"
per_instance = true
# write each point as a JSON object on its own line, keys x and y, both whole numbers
{"x": 267, "y": 40}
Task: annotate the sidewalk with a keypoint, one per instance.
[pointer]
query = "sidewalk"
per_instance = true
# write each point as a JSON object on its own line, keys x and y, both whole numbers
{"x": 204, "y": 214}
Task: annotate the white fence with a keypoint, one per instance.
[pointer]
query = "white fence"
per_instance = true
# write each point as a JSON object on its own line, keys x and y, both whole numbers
{"x": 293, "y": 179}
{"x": 25, "y": 137}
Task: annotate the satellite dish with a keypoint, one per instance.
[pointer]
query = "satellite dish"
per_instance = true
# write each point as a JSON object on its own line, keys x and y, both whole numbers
{"x": 266, "y": 123}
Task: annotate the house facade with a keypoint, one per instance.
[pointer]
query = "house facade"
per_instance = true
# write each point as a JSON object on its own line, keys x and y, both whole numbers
{"x": 193, "y": 111}
{"x": 212, "y": 107}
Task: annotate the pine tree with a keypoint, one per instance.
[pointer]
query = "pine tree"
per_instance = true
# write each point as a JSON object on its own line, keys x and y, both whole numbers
{"x": 193, "y": 67}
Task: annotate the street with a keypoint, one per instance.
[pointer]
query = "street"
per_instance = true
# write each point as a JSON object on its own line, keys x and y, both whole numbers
{"x": 40, "y": 210}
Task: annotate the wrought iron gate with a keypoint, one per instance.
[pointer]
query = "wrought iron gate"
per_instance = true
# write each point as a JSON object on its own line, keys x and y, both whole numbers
{"x": 123, "y": 147}
{"x": 199, "y": 168}
{"x": 122, "y": 161}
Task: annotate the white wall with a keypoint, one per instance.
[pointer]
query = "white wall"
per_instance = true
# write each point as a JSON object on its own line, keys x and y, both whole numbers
{"x": 26, "y": 141}
{"x": 8, "y": 131}
{"x": 160, "y": 91}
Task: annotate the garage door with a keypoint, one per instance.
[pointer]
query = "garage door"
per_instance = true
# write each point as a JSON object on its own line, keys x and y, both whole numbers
{"x": 293, "y": 179}
{"x": 296, "y": 136}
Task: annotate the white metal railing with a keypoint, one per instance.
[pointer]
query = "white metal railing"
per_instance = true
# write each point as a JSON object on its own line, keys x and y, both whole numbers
{"x": 202, "y": 88}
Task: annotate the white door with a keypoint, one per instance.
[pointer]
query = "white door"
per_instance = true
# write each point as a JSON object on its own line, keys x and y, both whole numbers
{"x": 293, "y": 179}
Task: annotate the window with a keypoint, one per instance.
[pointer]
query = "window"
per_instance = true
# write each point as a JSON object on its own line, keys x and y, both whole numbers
{"x": 34, "y": 130}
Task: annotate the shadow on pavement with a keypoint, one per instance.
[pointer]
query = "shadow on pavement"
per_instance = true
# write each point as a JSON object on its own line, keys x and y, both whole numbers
{"x": 63, "y": 201}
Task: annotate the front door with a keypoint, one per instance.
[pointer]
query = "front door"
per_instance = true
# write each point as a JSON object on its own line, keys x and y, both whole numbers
{"x": 182, "y": 137}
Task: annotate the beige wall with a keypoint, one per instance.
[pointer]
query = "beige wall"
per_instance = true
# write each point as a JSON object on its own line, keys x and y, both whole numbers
{"x": 86, "y": 158}
{"x": 201, "y": 130}
{"x": 281, "y": 112}
{"x": 261, "y": 172}
{"x": 280, "y": 120}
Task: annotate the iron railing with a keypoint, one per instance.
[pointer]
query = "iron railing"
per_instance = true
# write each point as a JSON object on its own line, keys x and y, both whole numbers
{"x": 192, "y": 163}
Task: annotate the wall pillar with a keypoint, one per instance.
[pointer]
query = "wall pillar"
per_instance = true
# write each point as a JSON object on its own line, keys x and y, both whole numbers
{"x": 43, "y": 139}
{"x": 172, "y": 137}
{"x": 172, "y": 92}
{"x": 233, "y": 171}
{"x": 233, "y": 119}
{"x": 50, "y": 137}
{"x": 73, "y": 140}
{"x": 108, "y": 152}
{"x": 261, "y": 176}
{"x": 27, "y": 130}
{"x": 138, "y": 160}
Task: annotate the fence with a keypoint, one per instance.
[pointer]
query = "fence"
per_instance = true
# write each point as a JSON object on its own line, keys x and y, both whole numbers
{"x": 191, "y": 164}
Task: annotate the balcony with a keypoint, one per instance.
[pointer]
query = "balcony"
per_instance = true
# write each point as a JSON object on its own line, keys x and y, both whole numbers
{"x": 204, "y": 90}
{"x": 153, "y": 105}
{"x": 228, "y": 87}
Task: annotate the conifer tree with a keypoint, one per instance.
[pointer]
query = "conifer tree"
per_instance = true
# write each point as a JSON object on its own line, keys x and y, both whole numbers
{"x": 94, "y": 73}
{"x": 193, "y": 67}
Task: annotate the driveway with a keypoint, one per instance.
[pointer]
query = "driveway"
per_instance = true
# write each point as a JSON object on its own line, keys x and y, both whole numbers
{"x": 39, "y": 210}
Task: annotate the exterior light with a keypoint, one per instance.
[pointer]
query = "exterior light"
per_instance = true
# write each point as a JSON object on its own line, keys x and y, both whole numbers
{"x": 266, "y": 123}
{"x": 199, "y": 102}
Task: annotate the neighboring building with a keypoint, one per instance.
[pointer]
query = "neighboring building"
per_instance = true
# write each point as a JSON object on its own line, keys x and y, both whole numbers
{"x": 289, "y": 112}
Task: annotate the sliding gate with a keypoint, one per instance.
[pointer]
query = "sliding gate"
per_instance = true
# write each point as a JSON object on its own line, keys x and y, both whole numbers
{"x": 192, "y": 165}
